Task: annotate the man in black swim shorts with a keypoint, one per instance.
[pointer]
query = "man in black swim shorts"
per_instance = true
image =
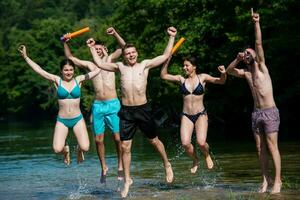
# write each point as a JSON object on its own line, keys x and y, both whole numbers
{"x": 135, "y": 110}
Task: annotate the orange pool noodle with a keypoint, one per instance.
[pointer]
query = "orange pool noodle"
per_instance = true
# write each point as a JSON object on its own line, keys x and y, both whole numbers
{"x": 178, "y": 44}
{"x": 75, "y": 34}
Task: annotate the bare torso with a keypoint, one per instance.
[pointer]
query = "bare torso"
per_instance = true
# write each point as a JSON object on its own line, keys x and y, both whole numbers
{"x": 104, "y": 86}
{"x": 133, "y": 84}
{"x": 193, "y": 104}
{"x": 261, "y": 88}
{"x": 68, "y": 108}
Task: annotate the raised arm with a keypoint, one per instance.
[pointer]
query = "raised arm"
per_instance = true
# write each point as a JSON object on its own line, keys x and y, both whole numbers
{"x": 118, "y": 52}
{"x": 103, "y": 65}
{"x": 80, "y": 63}
{"x": 167, "y": 53}
{"x": 89, "y": 75}
{"x": 36, "y": 67}
{"x": 232, "y": 70}
{"x": 258, "y": 39}
{"x": 166, "y": 76}
{"x": 217, "y": 80}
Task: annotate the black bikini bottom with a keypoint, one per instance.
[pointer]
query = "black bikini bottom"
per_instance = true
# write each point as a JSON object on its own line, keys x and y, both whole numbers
{"x": 195, "y": 117}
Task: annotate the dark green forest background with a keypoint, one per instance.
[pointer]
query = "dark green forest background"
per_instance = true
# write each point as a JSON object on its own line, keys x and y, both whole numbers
{"x": 215, "y": 30}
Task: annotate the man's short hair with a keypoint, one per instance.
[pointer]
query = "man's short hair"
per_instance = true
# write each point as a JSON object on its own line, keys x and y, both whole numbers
{"x": 247, "y": 47}
{"x": 99, "y": 42}
{"x": 128, "y": 45}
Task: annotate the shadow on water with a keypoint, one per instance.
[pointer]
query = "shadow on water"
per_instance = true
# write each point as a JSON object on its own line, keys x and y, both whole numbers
{"x": 30, "y": 170}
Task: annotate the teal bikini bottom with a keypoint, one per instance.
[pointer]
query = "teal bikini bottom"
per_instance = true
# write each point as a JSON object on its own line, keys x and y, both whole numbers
{"x": 70, "y": 122}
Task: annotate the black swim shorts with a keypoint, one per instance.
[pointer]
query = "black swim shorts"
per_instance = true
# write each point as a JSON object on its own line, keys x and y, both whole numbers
{"x": 132, "y": 117}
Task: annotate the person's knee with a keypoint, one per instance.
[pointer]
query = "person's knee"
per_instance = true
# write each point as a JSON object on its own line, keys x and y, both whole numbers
{"x": 117, "y": 140}
{"x": 57, "y": 148}
{"x": 272, "y": 142}
{"x": 186, "y": 145}
{"x": 125, "y": 147}
{"x": 85, "y": 147}
{"x": 99, "y": 140}
{"x": 202, "y": 144}
{"x": 272, "y": 147}
{"x": 258, "y": 148}
{"x": 154, "y": 141}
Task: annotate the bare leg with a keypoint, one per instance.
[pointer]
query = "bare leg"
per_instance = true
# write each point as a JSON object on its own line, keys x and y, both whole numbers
{"x": 126, "y": 158}
{"x": 201, "y": 133}
{"x": 99, "y": 141}
{"x": 186, "y": 131}
{"x": 273, "y": 148}
{"x": 205, "y": 150}
{"x": 66, "y": 152}
{"x": 263, "y": 160}
{"x": 158, "y": 145}
{"x": 119, "y": 153}
{"x": 81, "y": 134}
{"x": 59, "y": 140}
{"x": 80, "y": 155}
{"x": 189, "y": 149}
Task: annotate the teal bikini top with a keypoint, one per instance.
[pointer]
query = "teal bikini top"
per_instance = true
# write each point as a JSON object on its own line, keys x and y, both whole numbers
{"x": 62, "y": 93}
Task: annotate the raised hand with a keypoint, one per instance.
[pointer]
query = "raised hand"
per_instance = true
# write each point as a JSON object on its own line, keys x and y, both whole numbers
{"x": 255, "y": 16}
{"x": 22, "y": 50}
{"x": 66, "y": 37}
{"x": 221, "y": 69}
{"x": 90, "y": 42}
{"x": 110, "y": 31}
{"x": 172, "y": 31}
{"x": 240, "y": 56}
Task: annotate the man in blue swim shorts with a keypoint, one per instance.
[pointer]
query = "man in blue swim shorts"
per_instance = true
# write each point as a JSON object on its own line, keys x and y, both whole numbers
{"x": 106, "y": 105}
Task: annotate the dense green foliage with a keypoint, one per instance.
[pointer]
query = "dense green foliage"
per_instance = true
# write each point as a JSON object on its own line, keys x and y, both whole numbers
{"x": 215, "y": 31}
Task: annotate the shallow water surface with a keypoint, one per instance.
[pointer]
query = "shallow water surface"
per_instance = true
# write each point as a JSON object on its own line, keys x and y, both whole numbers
{"x": 30, "y": 170}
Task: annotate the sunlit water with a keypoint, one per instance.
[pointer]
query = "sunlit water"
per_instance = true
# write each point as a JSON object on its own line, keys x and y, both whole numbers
{"x": 30, "y": 170}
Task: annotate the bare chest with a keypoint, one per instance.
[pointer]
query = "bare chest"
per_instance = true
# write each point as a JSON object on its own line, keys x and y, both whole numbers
{"x": 134, "y": 74}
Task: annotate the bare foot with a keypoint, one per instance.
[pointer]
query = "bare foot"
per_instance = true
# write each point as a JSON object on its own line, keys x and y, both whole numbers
{"x": 195, "y": 166}
{"x": 125, "y": 190}
{"x": 209, "y": 162}
{"x": 120, "y": 175}
{"x": 80, "y": 156}
{"x": 263, "y": 188}
{"x": 103, "y": 175}
{"x": 169, "y": 173}
{"x": 67, "y": 159}
{"x": 276, "y": 188}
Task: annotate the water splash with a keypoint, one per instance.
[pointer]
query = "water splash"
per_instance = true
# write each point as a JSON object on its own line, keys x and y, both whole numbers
{"x": 81, "y": 191}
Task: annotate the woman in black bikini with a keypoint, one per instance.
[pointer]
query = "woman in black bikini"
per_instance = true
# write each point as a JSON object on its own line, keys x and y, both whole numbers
{"x": 194, "y": 113}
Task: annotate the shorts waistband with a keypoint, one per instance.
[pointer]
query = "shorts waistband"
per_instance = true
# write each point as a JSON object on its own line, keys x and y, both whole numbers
{"x": 134, "y": 107}
{"x": 264, "y": 109}
{"x": 105, "y": 101}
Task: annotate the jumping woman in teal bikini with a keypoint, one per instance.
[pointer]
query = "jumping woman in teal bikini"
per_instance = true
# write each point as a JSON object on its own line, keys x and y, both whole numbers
{"x": 69, "y": 114}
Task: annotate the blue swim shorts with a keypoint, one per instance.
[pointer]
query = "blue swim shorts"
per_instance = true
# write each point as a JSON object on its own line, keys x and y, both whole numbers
{"x": 106, "y": 112}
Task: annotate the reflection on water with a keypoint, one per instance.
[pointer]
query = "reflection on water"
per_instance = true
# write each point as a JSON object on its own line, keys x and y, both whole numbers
{"x": 30, "y": 170}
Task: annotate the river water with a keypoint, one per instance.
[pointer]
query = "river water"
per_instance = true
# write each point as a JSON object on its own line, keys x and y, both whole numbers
{"x": 30, "y": 170}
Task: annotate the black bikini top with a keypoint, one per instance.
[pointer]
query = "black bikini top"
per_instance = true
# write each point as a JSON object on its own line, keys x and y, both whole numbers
{"x": 199, "y": 90}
